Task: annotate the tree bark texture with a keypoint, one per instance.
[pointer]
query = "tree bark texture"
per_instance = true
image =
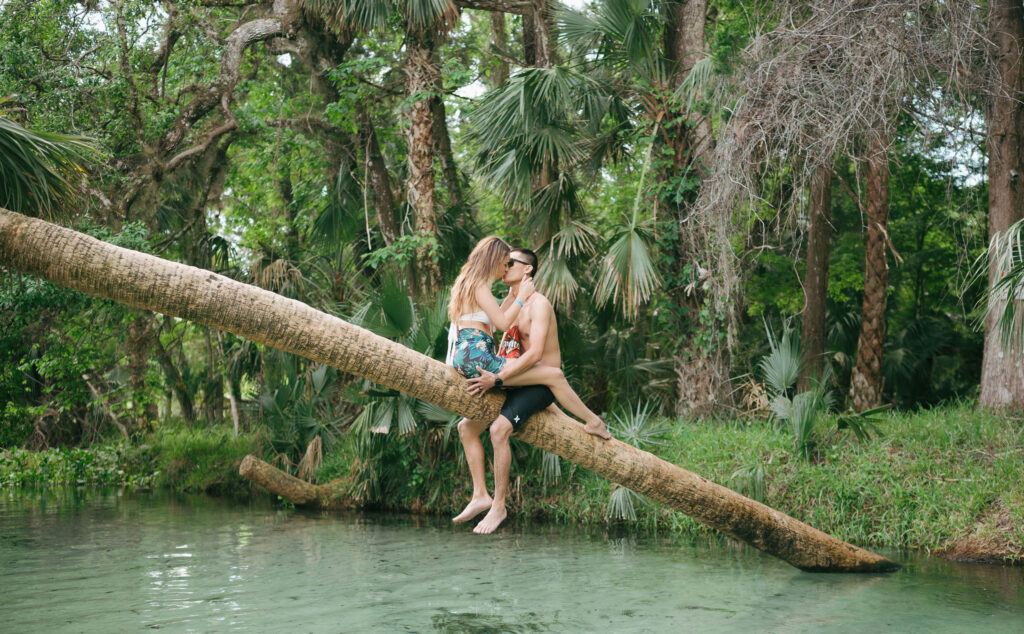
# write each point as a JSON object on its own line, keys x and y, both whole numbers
{"x": 1002, "y": 372}
{"x": 139, "y": 343}
{"x": 78, "y": 261}
{"x": 702, "y": 369}
{"x": 379, "y": 177}
{"x": 866, "y": 379}
{"x": 443, "y": 149}
{"x": 422, "y": 77}
{"x": 295, "y": 490}
{"x": 812, "y": 323}
{"x": 499, "y": 36}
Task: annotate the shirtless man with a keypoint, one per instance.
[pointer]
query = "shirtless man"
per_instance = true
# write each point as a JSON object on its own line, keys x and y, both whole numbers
{"x": 539, "y": 340}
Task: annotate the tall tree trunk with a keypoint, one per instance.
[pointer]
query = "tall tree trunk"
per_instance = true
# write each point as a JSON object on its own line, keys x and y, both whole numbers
{"x": 423, "y": 76}
{"x": 177, "y": 383}
{"x": 529, "y": 39}
{"x": 78, "y": 261}
{"x": 866, "y": 380}
{"x": 702, "y": 368}
{"x": 443, "y": 149}
{"x": 499, "y": 36}
{"x": 380, "y": 179}
{"x": 139, "y": 344}
{"x": 812, "y": 323}
{"x": 1002, "y": 372}
{"x": 544, "y": 34}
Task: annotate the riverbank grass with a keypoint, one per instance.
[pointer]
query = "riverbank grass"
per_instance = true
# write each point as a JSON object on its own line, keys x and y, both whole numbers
{"x": 948, "y": 480}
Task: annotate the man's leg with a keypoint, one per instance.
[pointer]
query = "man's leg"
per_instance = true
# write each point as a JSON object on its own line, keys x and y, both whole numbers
{"x": 501, "y": 430}
{"x": 554, "y": 378}
{"x": 469, "y": 434}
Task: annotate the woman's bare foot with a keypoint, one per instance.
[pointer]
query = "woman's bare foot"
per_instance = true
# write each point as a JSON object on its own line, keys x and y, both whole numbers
{"x": 491, "y": 521}
{"x": 475, "y": 507}
{"x": 597, "y": 428}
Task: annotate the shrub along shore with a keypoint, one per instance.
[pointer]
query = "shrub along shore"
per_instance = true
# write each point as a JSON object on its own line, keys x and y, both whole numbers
{"x": 948, "y": 481}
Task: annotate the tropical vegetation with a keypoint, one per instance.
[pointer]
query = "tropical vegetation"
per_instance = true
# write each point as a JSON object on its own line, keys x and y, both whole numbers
{"x": 744, "y": 211}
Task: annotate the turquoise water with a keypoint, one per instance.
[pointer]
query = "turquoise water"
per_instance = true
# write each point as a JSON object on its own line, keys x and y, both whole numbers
{"x": 86, "y": 560}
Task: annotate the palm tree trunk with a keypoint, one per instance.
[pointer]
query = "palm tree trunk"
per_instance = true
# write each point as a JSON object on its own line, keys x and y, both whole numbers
{"x": 423, "y": 76}
{"x": 812, "y": 323}
{"x": 78, "y": 261}
{"x": 1002, "y": 371}
{"x": 866, "y": 380}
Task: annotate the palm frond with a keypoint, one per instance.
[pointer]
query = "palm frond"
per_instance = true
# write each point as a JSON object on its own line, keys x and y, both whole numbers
{"x": 1005, "y": 256}
{"x": 550, "y": 468}
{"x": 627, "y": 273}
{"x": 37, "y": 169}
{"x": 781, "y": 367}
{"x": 557, "y": 282}
{"x": 750, "y": 481}
{"x": 697, "y": 82}
{"x": 639, "y": 427}
{"x": 622, "y": 504}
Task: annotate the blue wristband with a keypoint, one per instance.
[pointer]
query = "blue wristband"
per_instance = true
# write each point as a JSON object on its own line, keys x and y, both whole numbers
{"x": 519, "y": 302}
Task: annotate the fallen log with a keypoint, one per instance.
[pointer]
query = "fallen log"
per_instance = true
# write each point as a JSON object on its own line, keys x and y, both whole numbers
{"x": 78, "y": 261}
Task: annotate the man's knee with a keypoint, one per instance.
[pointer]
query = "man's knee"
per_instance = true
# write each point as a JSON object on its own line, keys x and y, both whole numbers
{"x": 501, "y": 429}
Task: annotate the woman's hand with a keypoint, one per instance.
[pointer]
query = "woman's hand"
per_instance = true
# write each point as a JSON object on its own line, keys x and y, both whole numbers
{"x": 525, "y": 289}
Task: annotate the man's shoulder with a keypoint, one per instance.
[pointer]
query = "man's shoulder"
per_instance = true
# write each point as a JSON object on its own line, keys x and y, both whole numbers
{"x": 540, "y": 301}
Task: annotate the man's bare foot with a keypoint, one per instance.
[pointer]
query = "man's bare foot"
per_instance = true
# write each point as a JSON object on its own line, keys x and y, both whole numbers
{"x": 597, "y": 428}
{"x": 475, "y": 507}
{"x": 491, "y": 521}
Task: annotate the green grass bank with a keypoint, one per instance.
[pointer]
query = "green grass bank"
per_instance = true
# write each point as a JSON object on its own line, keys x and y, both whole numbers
{"x": 948, "y": 481}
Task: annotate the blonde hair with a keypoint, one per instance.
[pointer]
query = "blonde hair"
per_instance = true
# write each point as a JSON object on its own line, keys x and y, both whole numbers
{"x": 488, "y": 256}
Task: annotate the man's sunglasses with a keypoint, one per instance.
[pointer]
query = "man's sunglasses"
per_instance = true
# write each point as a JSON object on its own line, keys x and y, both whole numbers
{"x": 512, "y": 262}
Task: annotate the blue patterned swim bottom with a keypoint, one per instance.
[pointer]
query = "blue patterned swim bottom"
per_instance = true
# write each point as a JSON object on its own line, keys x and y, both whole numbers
{"x": 475, "y": 348}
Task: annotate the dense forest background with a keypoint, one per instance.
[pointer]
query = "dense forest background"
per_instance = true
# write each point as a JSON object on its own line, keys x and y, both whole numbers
{"x": 717, "y": 190}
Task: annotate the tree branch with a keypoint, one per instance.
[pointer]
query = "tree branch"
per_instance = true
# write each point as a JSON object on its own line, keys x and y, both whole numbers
{"x": 504, "y": 6}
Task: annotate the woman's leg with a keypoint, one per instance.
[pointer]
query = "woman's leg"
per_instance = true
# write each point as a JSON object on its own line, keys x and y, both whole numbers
{"x": 469, "y": 434}
{"x": 554, "y": 378}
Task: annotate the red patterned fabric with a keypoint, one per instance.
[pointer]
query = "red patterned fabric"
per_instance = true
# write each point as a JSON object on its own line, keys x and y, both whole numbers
{"x": 510, "y": 347}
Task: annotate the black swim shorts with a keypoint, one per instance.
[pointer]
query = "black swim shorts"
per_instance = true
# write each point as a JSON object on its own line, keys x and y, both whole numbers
{"x": 523, "y": 402}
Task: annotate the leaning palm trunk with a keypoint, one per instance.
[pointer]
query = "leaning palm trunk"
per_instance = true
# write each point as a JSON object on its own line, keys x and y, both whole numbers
{"x": 80, "y": 262}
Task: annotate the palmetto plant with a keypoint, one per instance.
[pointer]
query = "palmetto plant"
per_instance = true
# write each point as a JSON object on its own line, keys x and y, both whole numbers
{"x": 641, "y": 428}
{"x": 390, "y": 312}
{"x": 1005, "y": 254}
{"x": 800, "y": 411}
{"x": 37, "y": 169}
{"x": 299, "y": 409}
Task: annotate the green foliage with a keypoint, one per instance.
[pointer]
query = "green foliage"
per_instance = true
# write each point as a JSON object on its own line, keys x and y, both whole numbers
{"x": 118, "y": 464}
{"x": 1005, "y": 255}
{"x": 299, "y": 408}
{"x": 641, "y": 428}
{"x": 200, "y": 459}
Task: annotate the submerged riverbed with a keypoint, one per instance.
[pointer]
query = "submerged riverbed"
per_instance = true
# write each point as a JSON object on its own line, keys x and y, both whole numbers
{"x": 91, "y": 560}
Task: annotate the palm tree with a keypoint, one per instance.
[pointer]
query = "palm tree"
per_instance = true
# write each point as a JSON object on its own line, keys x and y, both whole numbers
{"x": 866, "y": 379}
{"x": 426, "y": 22}
{"x": 1002, "y": 373}
{"x": 83, "y": 263}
